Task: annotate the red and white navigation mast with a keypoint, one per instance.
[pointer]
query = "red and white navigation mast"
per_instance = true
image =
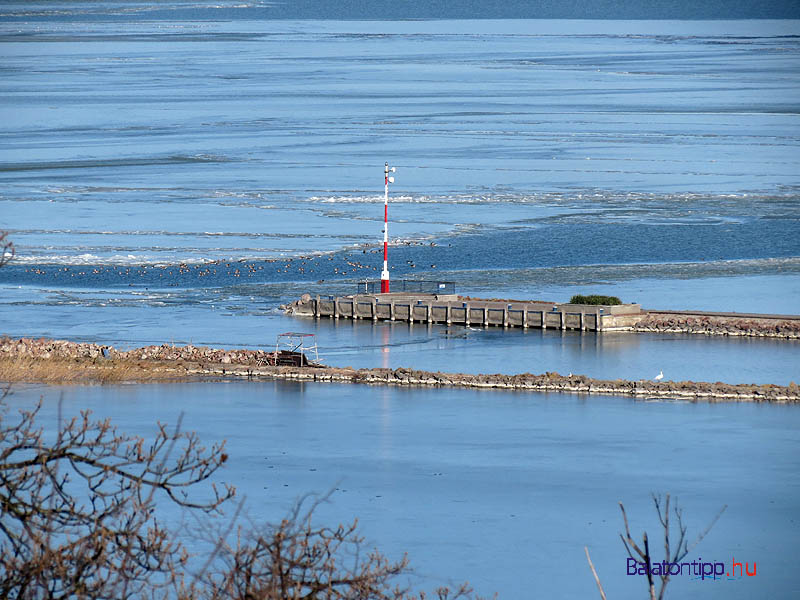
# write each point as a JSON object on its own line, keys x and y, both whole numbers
{"x": 385, "y": 272}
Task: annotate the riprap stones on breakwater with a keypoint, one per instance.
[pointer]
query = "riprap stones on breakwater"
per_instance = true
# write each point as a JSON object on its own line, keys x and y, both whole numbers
{"x": 553, "y": 382}
{"x": 548, "y": 382}
{"x": 303, "y": 306}
{"x": 719, "y": 325}
{"x": 44, "y": 348}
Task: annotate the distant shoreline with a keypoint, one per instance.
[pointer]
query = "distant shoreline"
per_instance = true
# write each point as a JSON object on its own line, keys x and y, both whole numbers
{"x": 63, "y": 362}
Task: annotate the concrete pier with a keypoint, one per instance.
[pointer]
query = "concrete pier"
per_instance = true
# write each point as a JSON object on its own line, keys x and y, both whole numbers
{"x": 452, "y": 309}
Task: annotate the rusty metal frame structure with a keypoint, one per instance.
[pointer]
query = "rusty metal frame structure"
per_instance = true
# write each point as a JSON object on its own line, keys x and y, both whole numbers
{"x": 294, "y": 341}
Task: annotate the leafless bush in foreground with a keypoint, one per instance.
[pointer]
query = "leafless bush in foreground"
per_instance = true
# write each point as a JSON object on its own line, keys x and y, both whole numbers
{"x": 298, "y": 560}
{"x": 77, "y": 507}
{"x": 77, "y": 520}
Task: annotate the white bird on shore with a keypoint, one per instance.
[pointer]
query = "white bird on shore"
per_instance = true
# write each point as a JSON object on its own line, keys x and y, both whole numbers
{"x": 660, "y": 376}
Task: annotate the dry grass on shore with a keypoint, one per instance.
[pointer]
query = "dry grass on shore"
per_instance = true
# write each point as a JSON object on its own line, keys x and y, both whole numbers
{"x": 66, "y": 370}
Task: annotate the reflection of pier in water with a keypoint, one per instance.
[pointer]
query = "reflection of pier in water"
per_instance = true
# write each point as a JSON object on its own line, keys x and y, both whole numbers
{"x": 385, "y": 339}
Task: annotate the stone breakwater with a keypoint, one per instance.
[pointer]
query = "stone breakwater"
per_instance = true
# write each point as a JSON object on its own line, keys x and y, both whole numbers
{"x": 44, "y": 349}
{"x": 199, "y": 362}
{"x": 548, "y": 382}
{"x": 719, "y": 325}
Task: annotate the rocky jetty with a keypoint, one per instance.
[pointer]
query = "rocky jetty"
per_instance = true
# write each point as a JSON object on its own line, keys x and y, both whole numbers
{"x": 300, "y": 306}
{"x": 45, "y": 348}
{"x": 549, "y": 382}
{"x": 719, "y": 325}
{"x": 200, "y": 362}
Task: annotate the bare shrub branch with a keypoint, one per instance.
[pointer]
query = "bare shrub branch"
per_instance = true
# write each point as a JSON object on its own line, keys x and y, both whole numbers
{"x": 594, "y": 573}
{"x": 672, "y": 554}
{"x": 77, "y": 520}
{"x": 298, "y": 560}
{"x": 78, "y": 510}
{"x": 6, "y": 248}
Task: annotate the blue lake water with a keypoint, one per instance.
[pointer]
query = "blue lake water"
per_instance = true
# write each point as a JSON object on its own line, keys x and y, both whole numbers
{"x": 173, "y": 173}
{"x": 656, "y": 161}
{"x": 501, "y": 489}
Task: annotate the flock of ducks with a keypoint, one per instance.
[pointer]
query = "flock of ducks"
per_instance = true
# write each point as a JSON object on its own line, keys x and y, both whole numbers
{"x": 303, "y": 265}
{"x": 344, "y": 265}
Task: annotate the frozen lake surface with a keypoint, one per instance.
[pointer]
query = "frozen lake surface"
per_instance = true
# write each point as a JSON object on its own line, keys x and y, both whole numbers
{"x": 656, "y": 161}
{"x": 174, "y": 172}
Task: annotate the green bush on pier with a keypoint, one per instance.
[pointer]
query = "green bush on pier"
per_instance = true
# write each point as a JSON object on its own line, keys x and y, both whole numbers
{"x": 595, "y": 299}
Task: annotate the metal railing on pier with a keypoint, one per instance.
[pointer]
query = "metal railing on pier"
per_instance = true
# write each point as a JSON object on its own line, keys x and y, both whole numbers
{"x": 415, "y": 286}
